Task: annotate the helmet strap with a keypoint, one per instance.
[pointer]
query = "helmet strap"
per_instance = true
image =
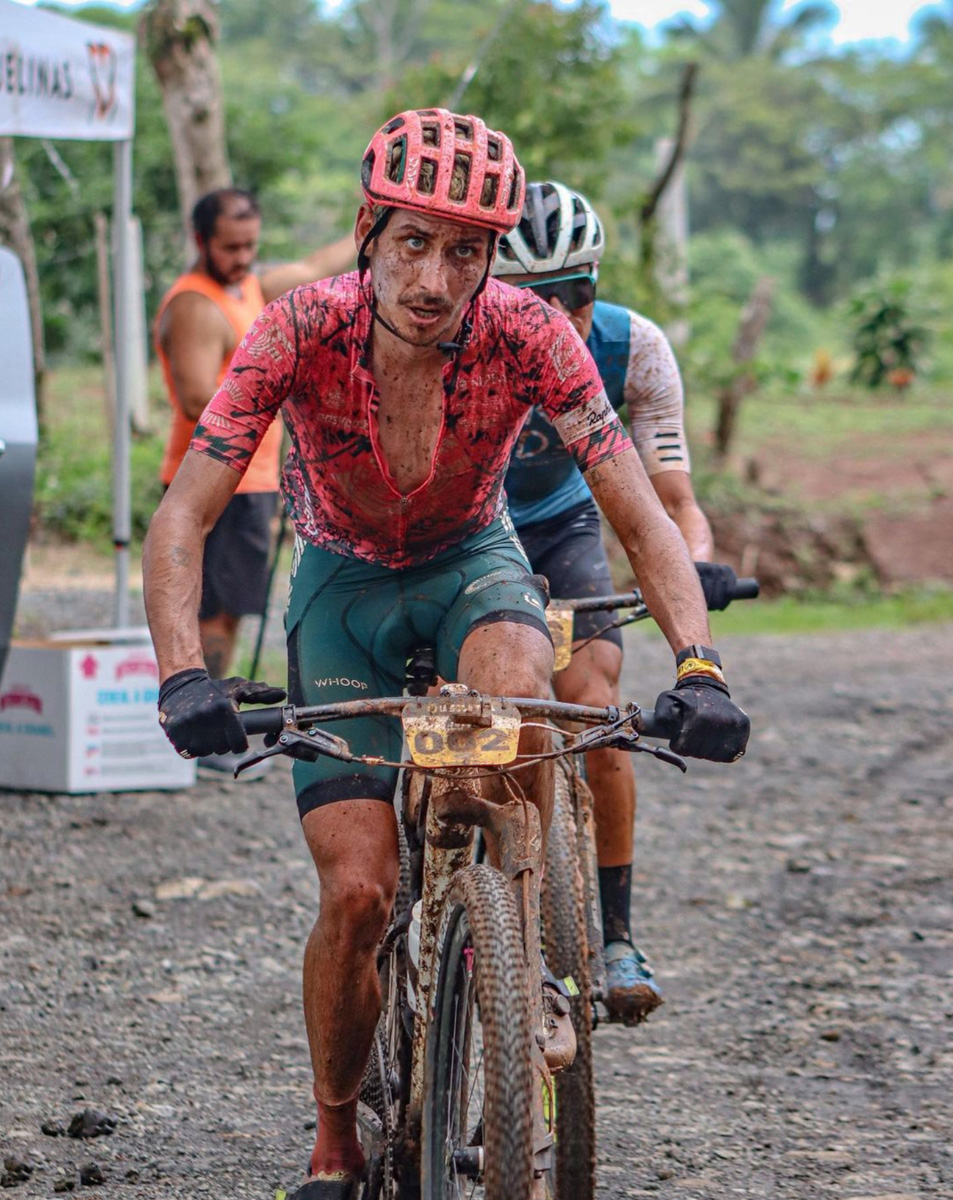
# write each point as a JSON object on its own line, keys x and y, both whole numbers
{"x": 466, "y": 324}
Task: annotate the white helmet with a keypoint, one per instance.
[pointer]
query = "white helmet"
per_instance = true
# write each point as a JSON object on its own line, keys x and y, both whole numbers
{"x": 558, "y": 229}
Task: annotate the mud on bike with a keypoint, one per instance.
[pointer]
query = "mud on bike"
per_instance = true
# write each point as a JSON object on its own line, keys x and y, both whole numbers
{"x": 571, "y": 907}
{"x": 458, "y": 1099}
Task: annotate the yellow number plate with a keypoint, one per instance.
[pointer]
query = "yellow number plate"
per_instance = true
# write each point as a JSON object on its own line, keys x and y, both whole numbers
{"x": 560, "y": 622}
{"x": 437, "y": 738}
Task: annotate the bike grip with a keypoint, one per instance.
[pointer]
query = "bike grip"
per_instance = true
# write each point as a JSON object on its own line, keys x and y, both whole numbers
{"x": 746, "y": 589}
{"x": 655, "y": 727}
{"x": 262, "y": 720}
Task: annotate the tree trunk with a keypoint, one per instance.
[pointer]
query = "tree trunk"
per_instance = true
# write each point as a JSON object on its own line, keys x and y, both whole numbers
{"x": 179, "y": 37}
{"x": 648, "y": 210}
{"x": 15, "y": 233}
{"x": 754, "y": 320}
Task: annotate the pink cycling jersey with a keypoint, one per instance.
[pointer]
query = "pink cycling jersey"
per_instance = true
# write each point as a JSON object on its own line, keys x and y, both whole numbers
{"x": 307, "y": 357}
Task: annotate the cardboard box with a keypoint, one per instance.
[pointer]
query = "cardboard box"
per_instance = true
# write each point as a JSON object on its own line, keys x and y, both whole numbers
{"x": 79, "y": 715}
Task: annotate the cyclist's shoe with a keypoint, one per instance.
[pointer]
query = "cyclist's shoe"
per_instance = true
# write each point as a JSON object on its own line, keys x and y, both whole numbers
{"x": 631, "y": 990}
{"x": 335, "y": 1185}
{"x": 558, "y": 1039}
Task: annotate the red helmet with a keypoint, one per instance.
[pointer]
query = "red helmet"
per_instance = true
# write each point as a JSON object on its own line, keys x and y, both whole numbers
{"x": 434, "y": 161}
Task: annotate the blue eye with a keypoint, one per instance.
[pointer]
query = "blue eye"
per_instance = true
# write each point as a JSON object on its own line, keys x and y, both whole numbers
{"x": 415, "y": 242}
{"x": 465, "y": 251}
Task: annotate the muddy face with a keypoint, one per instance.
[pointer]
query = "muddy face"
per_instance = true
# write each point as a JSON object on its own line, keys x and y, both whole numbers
{"x": 424, "y": 272}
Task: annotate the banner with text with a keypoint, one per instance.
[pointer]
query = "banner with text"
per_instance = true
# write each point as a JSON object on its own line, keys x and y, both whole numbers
{"x": 61, "y": 78}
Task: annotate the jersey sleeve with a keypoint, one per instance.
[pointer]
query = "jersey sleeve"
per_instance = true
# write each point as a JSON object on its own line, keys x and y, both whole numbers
{"x": 575, "y": 400}
{"x": 655, "y": 399}
{"x": 259, "y": 378}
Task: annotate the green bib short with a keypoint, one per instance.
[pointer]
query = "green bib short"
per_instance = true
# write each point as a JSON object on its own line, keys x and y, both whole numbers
{"x": 352, "y": 625}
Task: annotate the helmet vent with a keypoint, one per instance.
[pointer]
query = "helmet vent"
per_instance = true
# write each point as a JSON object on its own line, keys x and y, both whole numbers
{"x": 491, "y": 185}
{"x": 463, "y": 130}
{"x": 397, "y": 123}
{"x": 367, "y": 168}
{"x": 396, "y": 160}
{"x": 460, "y": 178}
{"x": 494, "y": 151}
{"x": 427, "y": 180}
{"x": 430, "y": 133}
{"x": 512, "y": 201}
{"x": 578, "y": 224}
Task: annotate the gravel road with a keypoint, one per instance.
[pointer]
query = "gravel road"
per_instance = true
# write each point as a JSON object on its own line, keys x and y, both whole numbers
{"x": 798, "y": 909}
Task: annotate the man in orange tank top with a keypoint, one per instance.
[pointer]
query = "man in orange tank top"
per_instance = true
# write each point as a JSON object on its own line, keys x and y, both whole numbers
{"x": 200, "y": 322}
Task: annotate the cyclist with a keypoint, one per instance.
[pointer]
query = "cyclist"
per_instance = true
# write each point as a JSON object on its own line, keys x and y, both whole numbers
{"x": 403, "y": 387}
{"x": 555, "y": 252}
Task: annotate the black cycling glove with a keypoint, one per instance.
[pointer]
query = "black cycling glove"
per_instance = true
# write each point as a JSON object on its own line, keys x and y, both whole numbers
{"x": 199, "y": 715}
{"x": 718, "y": 583}
{"x": 708, "y": 723}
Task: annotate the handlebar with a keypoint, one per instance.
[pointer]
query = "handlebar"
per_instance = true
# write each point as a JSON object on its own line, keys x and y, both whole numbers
{"x": 273, "y": 720}
{"x": 747, "y": 588}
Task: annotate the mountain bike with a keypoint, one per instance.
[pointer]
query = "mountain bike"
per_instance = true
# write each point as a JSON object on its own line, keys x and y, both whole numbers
{"x": 572, "y": 910}
{"x": 458, "y": 1098}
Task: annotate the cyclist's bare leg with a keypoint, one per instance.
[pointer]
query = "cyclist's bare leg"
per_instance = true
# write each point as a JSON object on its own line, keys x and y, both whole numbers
{"x": 354, "y": 847}
{"x": 506, "y": 659}
{"x": 592, "y": 677}
{"x": 218, "y": 636}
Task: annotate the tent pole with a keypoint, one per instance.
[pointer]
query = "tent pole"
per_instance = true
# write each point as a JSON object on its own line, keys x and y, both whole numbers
{"x": 122, "y": 262}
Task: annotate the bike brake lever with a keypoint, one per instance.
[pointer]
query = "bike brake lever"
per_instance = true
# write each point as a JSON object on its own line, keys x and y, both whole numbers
{"x": 307, "y": 745}
{"x": 629, "y": 740}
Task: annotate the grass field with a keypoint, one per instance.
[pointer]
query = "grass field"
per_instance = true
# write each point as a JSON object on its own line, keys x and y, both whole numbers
{"x": 821, "y": 423}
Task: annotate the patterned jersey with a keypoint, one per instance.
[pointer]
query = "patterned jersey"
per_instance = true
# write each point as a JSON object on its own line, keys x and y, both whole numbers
{"x": 306, "y": 356}
{"x": 640, "y": 373}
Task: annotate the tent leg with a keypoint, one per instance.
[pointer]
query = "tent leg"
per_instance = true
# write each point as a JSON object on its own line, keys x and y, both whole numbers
{"x": 124, "y": 300}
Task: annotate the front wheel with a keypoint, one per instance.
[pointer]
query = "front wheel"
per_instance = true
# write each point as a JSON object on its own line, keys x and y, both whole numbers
{"x": 478, "y": 1100}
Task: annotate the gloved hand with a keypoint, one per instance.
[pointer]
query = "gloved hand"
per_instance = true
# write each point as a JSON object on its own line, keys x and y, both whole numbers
{"x": 718, "y": 583}
{"x": 709, "y": 725}
{"x": 199, "y": 715}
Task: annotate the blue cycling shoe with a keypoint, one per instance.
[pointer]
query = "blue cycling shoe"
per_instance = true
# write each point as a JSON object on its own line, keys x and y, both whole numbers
{"x": 631, "y": 990}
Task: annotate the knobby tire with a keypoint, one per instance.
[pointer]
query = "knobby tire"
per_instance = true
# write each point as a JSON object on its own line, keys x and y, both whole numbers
{"x": 563, "y": 905}
{"x": 480, "y": 993}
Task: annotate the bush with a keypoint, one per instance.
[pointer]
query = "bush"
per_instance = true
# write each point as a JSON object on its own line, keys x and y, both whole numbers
{"x": 888, "y": 342}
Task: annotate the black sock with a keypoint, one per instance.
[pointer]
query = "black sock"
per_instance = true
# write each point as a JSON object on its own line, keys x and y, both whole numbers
{"x": 615, "y": 893}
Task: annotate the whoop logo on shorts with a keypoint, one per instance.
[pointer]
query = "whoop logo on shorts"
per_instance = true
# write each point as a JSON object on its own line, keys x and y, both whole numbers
{"x": 341, "y": 682}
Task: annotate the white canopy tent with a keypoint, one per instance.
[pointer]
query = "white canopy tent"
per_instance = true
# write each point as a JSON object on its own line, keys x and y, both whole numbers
{"x": 61, "y": 78}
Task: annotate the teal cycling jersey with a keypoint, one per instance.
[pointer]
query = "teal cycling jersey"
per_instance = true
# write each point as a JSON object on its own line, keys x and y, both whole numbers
{"x": 640, "y": 374}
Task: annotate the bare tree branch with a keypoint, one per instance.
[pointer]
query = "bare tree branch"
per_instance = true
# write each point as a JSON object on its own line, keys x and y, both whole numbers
{"x": 651, "y": 202}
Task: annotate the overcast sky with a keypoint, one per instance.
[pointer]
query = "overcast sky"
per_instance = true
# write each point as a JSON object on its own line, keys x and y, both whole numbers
{"x": 859, "y": 19}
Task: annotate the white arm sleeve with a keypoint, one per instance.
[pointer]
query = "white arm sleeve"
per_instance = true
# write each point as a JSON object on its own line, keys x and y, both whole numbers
{"x": 655, "y": 399}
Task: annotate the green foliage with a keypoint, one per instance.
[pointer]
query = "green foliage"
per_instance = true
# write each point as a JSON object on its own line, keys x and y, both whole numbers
{"x": 724, "y": 268}
{"x": 73, "y": 495}
{"x": 887, "y": 342}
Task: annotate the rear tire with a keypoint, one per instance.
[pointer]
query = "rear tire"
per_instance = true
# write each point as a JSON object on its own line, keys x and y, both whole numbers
{"x": 479, "y": 1090}
{"x": 563, "y": 904}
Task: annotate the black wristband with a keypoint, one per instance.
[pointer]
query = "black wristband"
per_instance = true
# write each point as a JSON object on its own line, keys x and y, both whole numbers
{"x": 706, "y": 653}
